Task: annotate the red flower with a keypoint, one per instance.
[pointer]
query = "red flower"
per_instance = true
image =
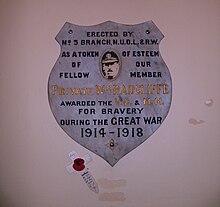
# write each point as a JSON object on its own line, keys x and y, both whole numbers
{"x": 78, "y": 164}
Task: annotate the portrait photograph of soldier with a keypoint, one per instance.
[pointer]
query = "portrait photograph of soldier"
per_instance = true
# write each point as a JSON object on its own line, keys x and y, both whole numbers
{"x": 110, "y": 65}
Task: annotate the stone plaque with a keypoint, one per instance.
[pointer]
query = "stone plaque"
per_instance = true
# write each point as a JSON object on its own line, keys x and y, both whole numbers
{"x": 110, "y": 89}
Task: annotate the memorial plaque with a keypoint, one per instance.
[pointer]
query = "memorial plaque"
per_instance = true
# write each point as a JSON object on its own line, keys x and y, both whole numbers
{"x": 110, "y": 89}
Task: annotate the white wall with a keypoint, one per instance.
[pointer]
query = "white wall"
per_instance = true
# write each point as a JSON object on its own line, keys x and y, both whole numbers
{"x": 178, "y": 166}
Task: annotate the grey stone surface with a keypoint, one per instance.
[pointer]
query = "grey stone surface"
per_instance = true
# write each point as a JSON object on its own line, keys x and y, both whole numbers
{"x": 110, "y": 89}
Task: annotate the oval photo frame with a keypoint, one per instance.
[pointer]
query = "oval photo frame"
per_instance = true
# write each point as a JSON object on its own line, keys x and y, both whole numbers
{"x": 110, "y": 65}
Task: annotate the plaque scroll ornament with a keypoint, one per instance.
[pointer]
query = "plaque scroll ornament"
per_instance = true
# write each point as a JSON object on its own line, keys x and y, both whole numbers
{"x": 110, "y": 89}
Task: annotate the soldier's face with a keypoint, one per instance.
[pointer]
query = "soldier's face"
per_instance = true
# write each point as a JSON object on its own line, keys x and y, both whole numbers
{"x": 111, "y": 70}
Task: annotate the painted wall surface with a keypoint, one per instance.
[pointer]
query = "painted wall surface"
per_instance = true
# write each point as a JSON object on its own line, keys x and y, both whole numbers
{"x": 178, "y": 166}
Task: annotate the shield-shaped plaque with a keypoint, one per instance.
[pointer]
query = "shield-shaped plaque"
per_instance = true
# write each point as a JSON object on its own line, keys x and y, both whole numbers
{"x": 110, "y": 89}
